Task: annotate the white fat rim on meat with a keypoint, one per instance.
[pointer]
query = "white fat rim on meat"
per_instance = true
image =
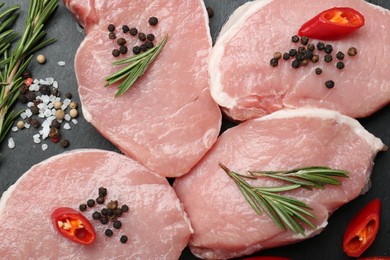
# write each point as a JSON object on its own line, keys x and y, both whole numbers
{"x": 374, "y": 142}
{"x": 235, "y": 22}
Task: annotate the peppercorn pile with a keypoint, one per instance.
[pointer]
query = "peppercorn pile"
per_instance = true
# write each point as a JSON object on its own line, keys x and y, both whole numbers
{"x": 307, "y": 53}
{"x": 146, "y": 39}
{"x": 46, "y": 110}
{"x": 109, "y": 214}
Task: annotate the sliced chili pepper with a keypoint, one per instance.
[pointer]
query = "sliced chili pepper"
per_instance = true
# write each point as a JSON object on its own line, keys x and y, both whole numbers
{"x": 375, "y": 258}
{"x": 362, "y": 229}
{"x": 267, "y": 258}
{"x": 73, "y": 225}
{"x": 332, "y": 24}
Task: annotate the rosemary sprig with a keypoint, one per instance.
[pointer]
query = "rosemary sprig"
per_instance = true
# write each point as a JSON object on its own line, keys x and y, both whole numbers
{"x": 138, "y": 64}
{"x": 12, "y": 65}
{"x": 286, "y": 212}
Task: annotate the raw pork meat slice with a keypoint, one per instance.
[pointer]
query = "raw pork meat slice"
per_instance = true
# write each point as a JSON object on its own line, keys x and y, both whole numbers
{"x": 156, "y": 225}
{"x": 245, "y": 85}
{"x": 224, "y": 223}
{"x": 167, "y": 120}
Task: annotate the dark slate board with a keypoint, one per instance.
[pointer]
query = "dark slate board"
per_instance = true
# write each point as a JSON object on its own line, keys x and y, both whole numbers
{"x": 14, "y": 162}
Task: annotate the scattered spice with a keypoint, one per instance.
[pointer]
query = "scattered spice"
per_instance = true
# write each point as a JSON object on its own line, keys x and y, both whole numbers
{"x": 41, "y": 59}
{"x": 121, "y": 41}
{"x": 20, "y": 124}
{"x": 153, "y": 21}
{"x": 35, "y": 123}
{"x": 320, "y": 46}
{"x": 115, "y": 52}
{"x": 90, "y": 203}
{"x": 340, "y": 55}
{"x": 329, "y": 84}
{"x": 96, "y": 215}
{"x": 274, "y": 62}
{"x": 210, "y": 12}
{"x": 123, "y": 49}
{"x": 133, "y": 31}
{"x": 149, "y": 44}
{"x": 295, "y": 38}
{"x": 73, "y": 105}
{"x": 142, "y": 37}
{"x": 111, "y": 27}
{"x": 68, "y": 95}
{"x": 112, "y": 35}
{"x": 304, "y": 40}
{"x": 292, "y": 52}
{"x": 286, "y": 56}
{"x": 352, "y": 51}
{"x": 315, "y": 58}
{"x": 328, "y": 48}
{"x": 125, "y": 208}
{"x": 117, "y": 224}
{"x": 45, "y": 90}
{"x": 73, "y": 113}
{"x": 123, "y": 239}
{"x": 83, "y": 207}
{"x": 136, "y": 50}
{"x": 113, "y": 204}
{"x": 150, "y": 37}
{"x": 311, "y": 47}
{"x": 125, "y": 29}
{"x": 340, "y": 65}
{"x": 64, "y": 143}
{"x": 328, "y": 58}
{"x": 103, "y": 220}
{"x": 295, "y": 64}
{"x": 277, "y": 55}
{"x": 108, "y": 232}
{"x": 60, "y": 114}
{"x": 318, "y": 71}
{"x": 102, "y": 191}
{"x": 100, "y": 200}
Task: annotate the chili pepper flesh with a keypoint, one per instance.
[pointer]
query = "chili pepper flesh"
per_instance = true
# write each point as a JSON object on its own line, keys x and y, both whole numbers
{"x": 332, "y": 24}
{"x": 362, "y": 229}
{"x": 73, "y": 225}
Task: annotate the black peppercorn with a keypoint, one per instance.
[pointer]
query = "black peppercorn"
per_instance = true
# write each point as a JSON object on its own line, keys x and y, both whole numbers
{"x": 22, "y": 99}
{"x": 30, "y": 96}
{"x": 96, "y": 215}
{"x": 352, "y": 51}
{"x": 90, "y": 203}
{"x": 108, "y": 232}
{"x": 100, "y": 200}
{"x": 115, "y": 52}
{"x": 133, "y": 31}
{"x": 329, "y": 84}
{"x": 103, "y": 220}
{"x": 328, "y": 48}
{"x": 118, "y": 212}
{"x": 292, "y": 52}
{"x": 55, "y": 124}
{"x": 54, "y": 132}
{"x": 35, "y": 110}
{"x": 117, "y": 224}
{"x": 286, "y": 56}
{"x": 104, "y": 212}
{"x": 123, "y": 49}
{"x": 304, "y": 62}
{"x": 210, "y": 12}
{"x": 121, "y": 41}
{"x": 150, "y": 37}
{"x": 149, "y": 44}
{"x": 295, "y": 64}
{"x": 340, "y": 55}
{"x": 110, "y": 212}
{"x": 112, "y": 35}
{"x": 136, "y": 50}
{"x": 142, "y": 37}
{"x": 83, "y": 207}
{"x": 26, "y": 74}
{"x": 309, "y": 55}
{"x": 328, "y": 58}
{"x": 68, "y": 95}
{"x": 143, "y": 48}
{"x": 301, "y": 49}
{"x": 304, "y": 40}
{"x": 273, "y": 62}
{"x": 23, "y": 89}
{"x": 125, "y": 28}
{"x": 300, "y": 56}
{"x": 320, "y": 46}
{"x": 125, "y": 208}
{"x": 153, "y": 21}
{"x": 123, "y": 239}
{"x": 55, "y": 92}
{"x": 295, "y": 38}
{"x": 102, "y": 191}
{"x": 340, "y": 65}
{"x": 111, "y": 27}
{"x": 311, "y": 47}
{"x": 45, "y": 90}
{"x": 35, "y": 123}
{"x": 318, "y": 71}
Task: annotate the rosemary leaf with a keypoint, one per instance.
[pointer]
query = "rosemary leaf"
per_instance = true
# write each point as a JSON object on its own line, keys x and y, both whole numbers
{"x": 286, "y": 212}
{"x": 138, "y": 64}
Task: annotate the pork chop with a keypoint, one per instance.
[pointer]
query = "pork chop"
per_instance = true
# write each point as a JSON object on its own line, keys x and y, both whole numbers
{"x": 246, "y": 86}
{"x": 225, "y": 225}
{"x": 156, "y": 225}
{"x": 167, "y": 120}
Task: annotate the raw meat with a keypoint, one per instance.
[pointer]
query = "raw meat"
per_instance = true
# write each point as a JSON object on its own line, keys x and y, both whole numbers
{"x": 224, "y": 223}
{"x": 156, "y": 225}
{"x": 167, "y": 120}
{"x": 246, "y": 86}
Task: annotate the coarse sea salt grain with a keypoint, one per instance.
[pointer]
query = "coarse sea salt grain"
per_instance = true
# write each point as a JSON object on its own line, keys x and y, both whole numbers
{"x": 67, "y": 117}
{"x": 30, "y": 104}
{"x": 14, "y": 129}
{"x": 55, "y": 84}
{"x": 11, "y": 143}
{"x": 50, "y": 80}
{"x": 67, "y": 126}
{"x": 37, "y": 138}
{"x": 23, "y": 115}
{"x": 61, "y": 63}
{"x": 28, "y": 112}
{"x": 44, "y": 147}
{"x": 74, "y": 121}
{"x": 26, "y": 125}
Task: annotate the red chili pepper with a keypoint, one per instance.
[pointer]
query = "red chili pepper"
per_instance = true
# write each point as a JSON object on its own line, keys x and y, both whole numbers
{"x": 375, "y": 258}
{"x": 73, "y": 225}
{"x": 267, "y": 258}
{"x": 332, "y": 24}
{"x": 362, "y": 229}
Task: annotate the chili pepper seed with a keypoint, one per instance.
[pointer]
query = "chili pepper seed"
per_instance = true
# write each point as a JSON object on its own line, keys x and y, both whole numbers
{"x": 329, "y": 84}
